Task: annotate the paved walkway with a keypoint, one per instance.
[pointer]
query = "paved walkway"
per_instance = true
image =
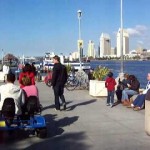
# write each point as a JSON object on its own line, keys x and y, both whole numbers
{"x": 88, "y": 124}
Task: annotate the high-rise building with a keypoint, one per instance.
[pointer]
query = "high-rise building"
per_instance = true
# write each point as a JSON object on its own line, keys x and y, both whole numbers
{"x": 75, "y": 55}
{"x": 113, "y": 51}
{"x": 98, "y": 52}
{"x": 125, "y": 43}
{"x": 91, "y": 49}
{"x": 105, "y": 45}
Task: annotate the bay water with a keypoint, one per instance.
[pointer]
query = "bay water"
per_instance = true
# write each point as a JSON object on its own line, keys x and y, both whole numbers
{"x": 137, "y": 68}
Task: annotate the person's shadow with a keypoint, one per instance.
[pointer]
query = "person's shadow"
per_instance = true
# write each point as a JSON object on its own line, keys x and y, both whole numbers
{"x": 53, "y": 106}
{"x": 55, "y": 127}
{"x": 81, "y": 104}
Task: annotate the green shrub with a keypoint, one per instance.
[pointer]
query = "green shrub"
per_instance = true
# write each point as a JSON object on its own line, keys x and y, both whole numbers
{"x": 100, "y": 73}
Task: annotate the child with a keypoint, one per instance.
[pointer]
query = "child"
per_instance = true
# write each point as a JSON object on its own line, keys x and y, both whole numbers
{"x": 110, "y": 85}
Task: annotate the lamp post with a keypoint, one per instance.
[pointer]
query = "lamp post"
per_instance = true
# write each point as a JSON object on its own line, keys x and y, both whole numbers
{"x": 121, "y": 36}
{"x": 2, "y": 57}
{"x": 79, "y": 41}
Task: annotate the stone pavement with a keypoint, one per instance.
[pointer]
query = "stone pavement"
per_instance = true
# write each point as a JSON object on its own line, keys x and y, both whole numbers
{"x": 87, "y": 124}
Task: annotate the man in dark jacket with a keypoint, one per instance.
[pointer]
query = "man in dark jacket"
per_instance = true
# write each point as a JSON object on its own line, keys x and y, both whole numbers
{"x": 59, "y": 78}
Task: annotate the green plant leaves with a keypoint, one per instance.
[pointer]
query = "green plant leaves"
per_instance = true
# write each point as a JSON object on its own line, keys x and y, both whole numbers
{"x": 100, "y": 73}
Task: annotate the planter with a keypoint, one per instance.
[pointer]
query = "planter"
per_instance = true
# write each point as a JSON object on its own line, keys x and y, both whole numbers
{"x": 97, "y": 88}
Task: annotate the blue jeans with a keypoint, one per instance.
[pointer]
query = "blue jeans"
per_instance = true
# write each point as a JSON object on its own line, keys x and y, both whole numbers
{"x": 127, "y": 92}
{"x": 139, "y": 101}
{"x": 110, "y": 97}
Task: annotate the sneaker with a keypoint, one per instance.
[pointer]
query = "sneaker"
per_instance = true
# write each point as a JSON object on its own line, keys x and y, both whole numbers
{"x": 56, "y": 109}
{"x": 136, "y": 108}
{"x": 107, "y": 104}
{"x": 111, "y": 105}
{"x": 130, "y": 106}
{"x": 64, "y": 106}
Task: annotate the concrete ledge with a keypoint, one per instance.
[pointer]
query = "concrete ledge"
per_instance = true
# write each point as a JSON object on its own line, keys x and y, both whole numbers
{"x": 147, "y": 117}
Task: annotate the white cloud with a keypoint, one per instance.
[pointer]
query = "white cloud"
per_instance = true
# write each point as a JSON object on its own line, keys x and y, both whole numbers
{"x": 138, "y": 30}
{"x": 140, "y": 42}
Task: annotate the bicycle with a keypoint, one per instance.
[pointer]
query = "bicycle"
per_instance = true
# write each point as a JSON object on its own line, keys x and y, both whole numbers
{"x": 78, "y": 79}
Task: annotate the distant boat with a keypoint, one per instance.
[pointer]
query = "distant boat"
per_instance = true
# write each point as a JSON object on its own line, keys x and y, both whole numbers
{"x": 75, "y": 65}
{"x": 48, "y": 62}
{"x": 143, "y": 59}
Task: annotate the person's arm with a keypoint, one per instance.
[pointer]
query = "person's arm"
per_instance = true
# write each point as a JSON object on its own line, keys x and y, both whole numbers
{"x": 20, "y": 78}
{"x": 145, "y": 91}
{"x": 33, "y": 79}
{"x": 106, "y": 82}
{"x": 66, "y": 75}
{"x": 135, "y": 86}
{"x": 115, "y": 82}
{"x": 38, "y": 96}
{"x": 22, "y": 102}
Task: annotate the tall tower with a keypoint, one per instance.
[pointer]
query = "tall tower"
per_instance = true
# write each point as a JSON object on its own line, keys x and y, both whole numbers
{"x": 91, "y": 49}
{"x": 105, "y": 45}
{"x": 125, "y": 43}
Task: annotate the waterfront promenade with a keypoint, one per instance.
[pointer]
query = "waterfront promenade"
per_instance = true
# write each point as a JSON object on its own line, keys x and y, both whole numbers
{"x": 87, "y": 124}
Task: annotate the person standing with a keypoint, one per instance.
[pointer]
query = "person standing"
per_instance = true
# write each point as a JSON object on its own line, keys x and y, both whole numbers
{"x": 59, "y": 78}
{"x": 110, "y": 85}
{"x": 5, "y": 71}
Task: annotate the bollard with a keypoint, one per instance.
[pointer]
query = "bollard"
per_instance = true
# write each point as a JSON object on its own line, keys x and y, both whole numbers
{"x": 147, "y": 113}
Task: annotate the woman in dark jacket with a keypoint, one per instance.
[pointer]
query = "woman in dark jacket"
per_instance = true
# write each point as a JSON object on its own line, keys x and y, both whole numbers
{"x": 132, "y": 89}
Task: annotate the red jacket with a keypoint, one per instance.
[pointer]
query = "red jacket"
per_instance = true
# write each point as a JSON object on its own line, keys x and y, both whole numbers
{"x": 30, "y": 75}
{"x": 110, "y": 84}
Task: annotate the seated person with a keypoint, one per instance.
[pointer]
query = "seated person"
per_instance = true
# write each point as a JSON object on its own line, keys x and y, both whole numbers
{"x": 121, "y": 86}
{"x": 139, "y": 101}
{"x": 30, "y": 89}
{"x": 9, "y": 90}
{"x": 132, "y": 89}
{"x": 27, "y": 71}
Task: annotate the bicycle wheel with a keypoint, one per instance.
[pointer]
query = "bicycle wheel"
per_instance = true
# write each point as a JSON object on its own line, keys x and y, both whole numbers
{"x": 71, "y": 84}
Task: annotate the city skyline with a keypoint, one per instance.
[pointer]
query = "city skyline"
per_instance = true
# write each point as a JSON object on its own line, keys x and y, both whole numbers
{"x": 125, "y": 42}
{"x": 38, "y": 26}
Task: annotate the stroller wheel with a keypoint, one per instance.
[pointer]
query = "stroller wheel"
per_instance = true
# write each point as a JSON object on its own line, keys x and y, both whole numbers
{"x": 49, "y": 83}
{"x": 42, "y": 132}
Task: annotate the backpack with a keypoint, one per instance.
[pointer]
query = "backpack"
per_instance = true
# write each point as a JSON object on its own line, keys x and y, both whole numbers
{"x": 8, "y": 108}
{"x": 31, "y": 105}
{"x": 64, "y": 75}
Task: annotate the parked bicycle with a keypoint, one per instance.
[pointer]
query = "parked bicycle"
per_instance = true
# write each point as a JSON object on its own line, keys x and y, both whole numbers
{"x": 78, "y": 79}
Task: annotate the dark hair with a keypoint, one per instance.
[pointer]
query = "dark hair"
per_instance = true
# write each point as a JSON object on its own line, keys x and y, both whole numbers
{"x": 110, "y": 74}
{"x": 11, "y": 77}
{"x": 27, "y": 68}
{"x": 132, "y": 77}
{"x": 56, "y": 57}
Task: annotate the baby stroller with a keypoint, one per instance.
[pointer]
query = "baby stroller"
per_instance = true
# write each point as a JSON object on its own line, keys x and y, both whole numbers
{"x": 48, "y": 79}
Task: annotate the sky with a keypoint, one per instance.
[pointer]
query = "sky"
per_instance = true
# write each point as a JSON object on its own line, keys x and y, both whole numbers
{"x": 33, "y": 27}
